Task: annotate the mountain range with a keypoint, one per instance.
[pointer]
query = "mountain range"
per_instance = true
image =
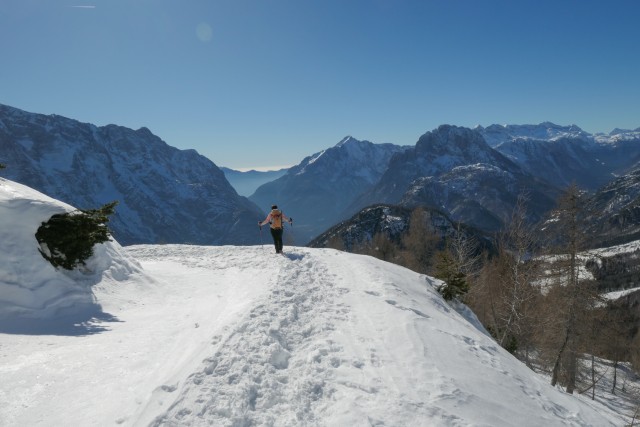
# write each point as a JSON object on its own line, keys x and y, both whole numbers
{"x": 566, "y": 154}
{"x": 317, "y": 191}
{"x": 475, "y": 176}
{"x": 165, "y": 195}
{"x": 472, "y": 176}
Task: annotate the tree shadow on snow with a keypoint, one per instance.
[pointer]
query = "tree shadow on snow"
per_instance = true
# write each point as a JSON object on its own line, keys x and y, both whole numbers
{"x": 89, "y": 321}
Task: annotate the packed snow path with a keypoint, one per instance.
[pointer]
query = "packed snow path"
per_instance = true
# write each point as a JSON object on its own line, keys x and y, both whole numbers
{"x": 240, "y": 336}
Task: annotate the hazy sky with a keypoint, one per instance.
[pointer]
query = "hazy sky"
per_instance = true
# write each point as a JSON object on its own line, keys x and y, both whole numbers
{"x": 263, "y": 83}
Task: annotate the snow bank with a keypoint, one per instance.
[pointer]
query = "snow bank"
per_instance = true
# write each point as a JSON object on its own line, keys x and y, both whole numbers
{"x": 30, "y": 286}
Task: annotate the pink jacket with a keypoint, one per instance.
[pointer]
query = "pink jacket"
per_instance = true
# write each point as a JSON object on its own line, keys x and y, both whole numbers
{"x": 268, "y": 218}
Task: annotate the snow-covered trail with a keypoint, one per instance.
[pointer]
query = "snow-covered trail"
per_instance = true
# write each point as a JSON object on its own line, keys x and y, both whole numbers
{"x": 272, "y": 367}
{"x": 240, "y": 336}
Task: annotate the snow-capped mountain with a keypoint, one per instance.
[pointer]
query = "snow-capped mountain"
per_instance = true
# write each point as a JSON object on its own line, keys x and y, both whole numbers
{"x": 165, "y": 195}
{"x": 565, "y": 154}
{"x": 316, "y": 191}
{"x": 546, "y": 131}
{"x": 236, "y": 336}
{"x": 454, "y": 170}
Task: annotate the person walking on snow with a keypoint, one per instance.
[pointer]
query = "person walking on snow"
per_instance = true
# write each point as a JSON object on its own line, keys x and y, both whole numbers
{"x": 275, "y": 218}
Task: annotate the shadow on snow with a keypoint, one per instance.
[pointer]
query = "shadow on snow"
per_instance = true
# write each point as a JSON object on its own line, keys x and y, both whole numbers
{"x": 88, "y": 321}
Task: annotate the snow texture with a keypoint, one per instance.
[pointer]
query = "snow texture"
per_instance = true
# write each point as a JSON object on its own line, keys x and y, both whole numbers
{"x": 239, "y": 336}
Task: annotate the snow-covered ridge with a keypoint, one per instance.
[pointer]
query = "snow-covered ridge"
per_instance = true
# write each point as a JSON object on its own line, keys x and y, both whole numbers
{"x": 498, "y": 134}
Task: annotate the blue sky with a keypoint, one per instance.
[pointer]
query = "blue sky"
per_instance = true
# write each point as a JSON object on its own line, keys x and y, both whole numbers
{"x": 264, "y": 83}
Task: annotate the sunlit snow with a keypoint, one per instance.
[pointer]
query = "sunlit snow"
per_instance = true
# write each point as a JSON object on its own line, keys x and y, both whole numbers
{"x": 236, "y": 336}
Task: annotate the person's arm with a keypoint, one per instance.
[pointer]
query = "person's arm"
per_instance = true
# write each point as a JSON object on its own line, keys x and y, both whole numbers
{"x": 267, "y": 219}
{"x": 286, "y": 218}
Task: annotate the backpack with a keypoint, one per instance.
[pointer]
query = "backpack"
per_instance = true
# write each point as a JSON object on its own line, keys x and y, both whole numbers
{"x": 276, "y": 219}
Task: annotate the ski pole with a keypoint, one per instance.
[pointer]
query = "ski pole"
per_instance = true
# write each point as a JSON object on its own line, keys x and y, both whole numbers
{"x": 293, "y": 239}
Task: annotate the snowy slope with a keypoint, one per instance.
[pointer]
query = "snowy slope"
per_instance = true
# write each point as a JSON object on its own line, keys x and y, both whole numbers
{"x": 238, "y": 336}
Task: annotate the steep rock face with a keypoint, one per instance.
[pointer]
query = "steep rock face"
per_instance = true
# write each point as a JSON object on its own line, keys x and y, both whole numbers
{"x": 614, "y": 211}
{"x": 316, "y": 192}
{"x": 480, "y": 195}
{"x": 165, "y": 195}
{"x": 454, "y": 170}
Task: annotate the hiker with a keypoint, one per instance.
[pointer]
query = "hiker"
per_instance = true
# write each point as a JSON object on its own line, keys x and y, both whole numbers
{"x": 275, "y": 218}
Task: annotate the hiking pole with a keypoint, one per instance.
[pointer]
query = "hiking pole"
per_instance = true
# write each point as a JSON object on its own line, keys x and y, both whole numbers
{"x": 260, "y": 226}
{"x": 293, "y": 238}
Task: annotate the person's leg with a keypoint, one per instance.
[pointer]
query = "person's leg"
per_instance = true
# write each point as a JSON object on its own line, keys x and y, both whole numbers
{"x": 274, "y": 234}
{"x": 279, "y": 240}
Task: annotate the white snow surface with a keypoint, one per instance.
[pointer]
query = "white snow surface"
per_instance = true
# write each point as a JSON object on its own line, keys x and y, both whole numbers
{"x": 240, "y": 336}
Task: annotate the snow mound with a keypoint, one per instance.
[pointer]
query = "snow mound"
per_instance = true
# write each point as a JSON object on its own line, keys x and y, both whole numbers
{"x": 30, "y": 287}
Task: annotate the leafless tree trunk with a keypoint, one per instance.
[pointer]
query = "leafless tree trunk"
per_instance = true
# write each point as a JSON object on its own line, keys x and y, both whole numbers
{"x": 576, "y": 299}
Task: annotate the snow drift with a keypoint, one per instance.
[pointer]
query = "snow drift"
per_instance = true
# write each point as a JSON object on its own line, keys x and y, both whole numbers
{"x": 29, "y": 285}
{"x": 239, "y": 336}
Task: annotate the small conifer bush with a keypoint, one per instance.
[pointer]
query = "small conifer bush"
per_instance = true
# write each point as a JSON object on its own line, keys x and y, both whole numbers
{"x": 455, "y": 283}
{"x": 66, "y": 240}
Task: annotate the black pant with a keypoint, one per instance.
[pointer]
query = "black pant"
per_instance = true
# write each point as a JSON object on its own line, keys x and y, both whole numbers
{"x": 276, "y": 233}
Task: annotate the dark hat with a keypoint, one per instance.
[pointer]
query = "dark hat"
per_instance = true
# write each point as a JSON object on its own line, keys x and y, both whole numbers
{"x": 274, "y": 207}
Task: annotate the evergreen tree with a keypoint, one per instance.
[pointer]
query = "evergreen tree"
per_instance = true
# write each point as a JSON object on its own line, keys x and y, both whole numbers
{"x": 67, "y": 239}
{"x": 448, "y": 270}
